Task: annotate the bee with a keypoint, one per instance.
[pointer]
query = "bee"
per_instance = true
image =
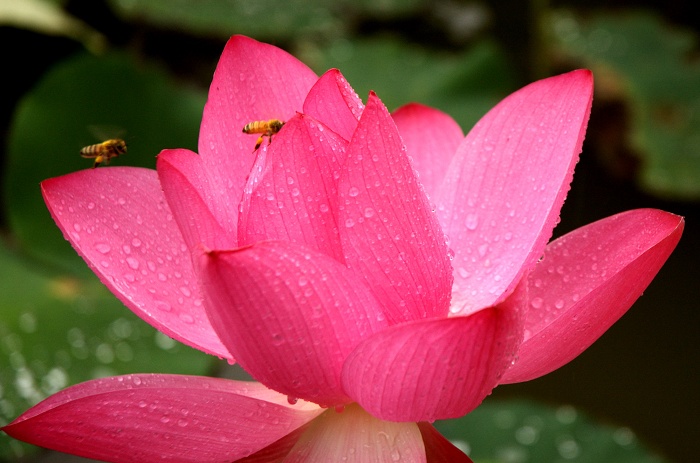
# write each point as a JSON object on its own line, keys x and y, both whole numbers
{"x": 265, "y": 128}
{"x": 105, "y": 151}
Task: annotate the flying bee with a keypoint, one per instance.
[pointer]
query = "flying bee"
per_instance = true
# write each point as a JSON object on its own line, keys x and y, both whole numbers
{"x": 105, "y": 151}
{"x": 265, "y": 128}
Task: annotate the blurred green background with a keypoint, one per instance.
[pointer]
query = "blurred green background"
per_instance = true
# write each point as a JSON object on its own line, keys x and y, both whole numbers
{"x": 79, "y": 71}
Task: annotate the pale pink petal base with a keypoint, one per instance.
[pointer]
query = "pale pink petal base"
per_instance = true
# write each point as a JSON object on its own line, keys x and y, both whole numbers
{"x": 118, "y": 220}
{"x": 354, "y": 436}
{"x": 438, "y": 368}
{"x": 147, "y": 418}
{"x": 586, "y": 282}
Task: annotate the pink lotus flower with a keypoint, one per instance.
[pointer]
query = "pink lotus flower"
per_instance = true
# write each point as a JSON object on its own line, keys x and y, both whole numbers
{"x": 383, "y": 269}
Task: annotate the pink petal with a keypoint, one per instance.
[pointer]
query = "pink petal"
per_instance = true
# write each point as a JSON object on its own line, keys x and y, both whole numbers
{"x": 431, "y": 139}
{"x": 438, "y": 368}
{"x": 438, "y": 449}
{"x": 290, "y": 315}
{"x": 144, "y": 418}
{"x": 277, "y": 451}
{"x": 253, "y": 81}
{"x": 187, "y": 188}
{"x": 117, "y": 219}
{"x": 504, "y": 189}
{"x": 356, "y": 436}
{"x": 586, "y": 282}
{"x": 333, "y": 102}
{"x": 389, "y": 233}
{"x": 293, "y": 195}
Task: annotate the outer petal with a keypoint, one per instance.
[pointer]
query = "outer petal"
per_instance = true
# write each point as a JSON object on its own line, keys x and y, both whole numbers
{"x": 333, "y": 102}
{"x": 586, "y": 282}
{"x": 253, "y": 81}
{"x": 118, "y": 221}
{"x": 187, "y": 188}
{"x": 504, "y": 189}
{"x": 389, "y": 232}
{"x": 290, "y": 315}
{"x": 438, "y": 449}
{"x": 141, "y": 418}
{"x": 354, "y": 436}
{"x": 438, "y": 368}
{"x": 293, "y": 196}
{"x": 431, "y": 139}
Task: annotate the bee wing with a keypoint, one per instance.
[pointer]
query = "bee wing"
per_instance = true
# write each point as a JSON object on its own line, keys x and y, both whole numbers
{"x": 106, "y": 131}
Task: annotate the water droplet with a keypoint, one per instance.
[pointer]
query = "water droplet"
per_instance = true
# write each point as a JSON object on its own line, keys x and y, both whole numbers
{"x": 133, "y": 262}
{"x": 472, "y": 221}
{"x": 349, "y": 223}
{"x": 537, "y": 302}
{"x": 353, "y": 191}
{"x": 369, "y": 212}
{"x": 103, "y": 248}
{"x": 164, "y": 306}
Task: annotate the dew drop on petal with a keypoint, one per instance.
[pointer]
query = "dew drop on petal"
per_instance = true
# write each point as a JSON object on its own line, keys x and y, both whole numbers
{"x": 132, "y": 262}
{"x": 103, "y": 248}
{"x": 164, "y": 306}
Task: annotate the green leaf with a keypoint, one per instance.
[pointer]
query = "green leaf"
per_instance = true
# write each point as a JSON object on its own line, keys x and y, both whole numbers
{"x": 57, "y": 330}
{"x": 47, "y": 17}
{"x": 517, "y": 431}
{"x": 222, "y": 18}
{"x": 77, "y": 98}
{"x": 645, "y": 63}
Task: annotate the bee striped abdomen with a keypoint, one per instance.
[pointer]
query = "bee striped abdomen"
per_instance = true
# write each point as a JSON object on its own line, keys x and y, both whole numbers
{"x": 103, "y": 152}
{"x": 264, "y": 128}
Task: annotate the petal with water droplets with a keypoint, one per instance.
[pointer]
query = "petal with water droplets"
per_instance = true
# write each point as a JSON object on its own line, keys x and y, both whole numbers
{"x": 503, "y": 191}
{"x": 332, "y": 101}
{"x": 290, "y": 315}
{"x": 431, "y": 139}
{"x": 187, "y": 188}
{"x": 125, "y": 232}
{"x": 586, "y": 282}
{"x": 438, "y": 368}
{"x": 292, "y": 193}
{"x": 253, "y": 81}
{"x": 390, "y": 234}
{"x": 145, "y": 418}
